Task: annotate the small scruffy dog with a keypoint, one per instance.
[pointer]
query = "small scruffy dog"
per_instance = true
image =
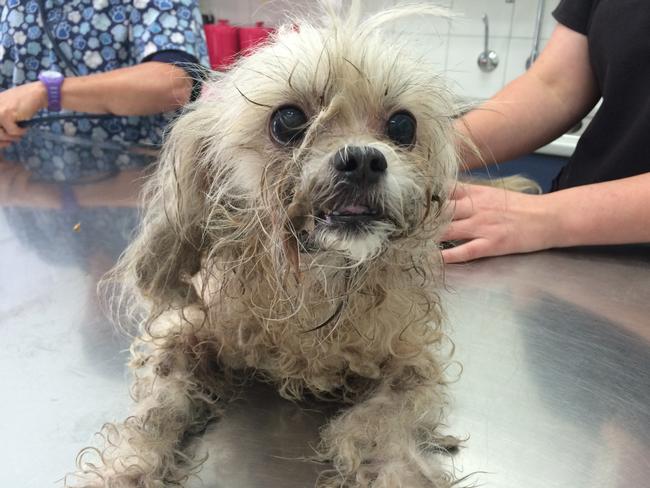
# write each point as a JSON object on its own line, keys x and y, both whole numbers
{"x": 290, "y": 233}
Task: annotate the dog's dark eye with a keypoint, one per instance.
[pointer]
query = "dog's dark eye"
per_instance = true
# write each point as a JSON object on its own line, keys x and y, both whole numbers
{"x": 401, "y": 128}
{"x": 288, "y": 125}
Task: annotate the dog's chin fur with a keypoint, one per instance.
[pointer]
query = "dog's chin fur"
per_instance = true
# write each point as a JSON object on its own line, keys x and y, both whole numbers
{"x": 240, "y": 267}
{"x": 358, "y": 245}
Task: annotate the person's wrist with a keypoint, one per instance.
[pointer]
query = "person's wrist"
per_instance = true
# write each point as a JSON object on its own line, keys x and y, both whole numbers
{"x": 556, "y": 222}
{"x": 40, "y": 94}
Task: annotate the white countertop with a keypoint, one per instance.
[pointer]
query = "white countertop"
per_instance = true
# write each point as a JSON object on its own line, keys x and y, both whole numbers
{"x": 562, "y": 146}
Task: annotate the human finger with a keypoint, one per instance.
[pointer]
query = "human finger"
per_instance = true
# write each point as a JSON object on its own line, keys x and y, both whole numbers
{"x": 460, "y": 230}
{"x": 4, "y": 137}
{"x": 9, "y": 125}
{"x": 462, "y": 208}
{"x": 14, "y": 130}
{"x": 458, "y": 190}
{"x": 474, "y": 249}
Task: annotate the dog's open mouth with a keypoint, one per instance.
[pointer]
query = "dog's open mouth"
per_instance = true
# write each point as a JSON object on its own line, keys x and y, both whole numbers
{"x": 343, "y": 221}
{"x": 351, "y": 215}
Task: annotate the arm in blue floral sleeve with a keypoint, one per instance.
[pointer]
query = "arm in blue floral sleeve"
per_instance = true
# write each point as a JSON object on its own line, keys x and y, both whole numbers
{"x": 156, "y": 26}
{"x": 143, "y": 88}
{"x": 166, "y": 25}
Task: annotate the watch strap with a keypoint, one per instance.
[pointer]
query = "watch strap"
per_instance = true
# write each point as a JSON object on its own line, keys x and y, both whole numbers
{"x": 53, "y": 87}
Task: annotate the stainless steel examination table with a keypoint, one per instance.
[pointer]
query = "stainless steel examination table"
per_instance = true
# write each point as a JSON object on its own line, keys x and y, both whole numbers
{"x": 554, "y": 347}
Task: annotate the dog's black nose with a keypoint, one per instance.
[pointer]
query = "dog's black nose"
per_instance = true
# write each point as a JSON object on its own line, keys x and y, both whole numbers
{"x": 360, "y": 164}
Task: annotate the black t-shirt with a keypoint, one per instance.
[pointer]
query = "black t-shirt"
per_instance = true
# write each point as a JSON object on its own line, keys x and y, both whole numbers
{"x": 617, "y": 142}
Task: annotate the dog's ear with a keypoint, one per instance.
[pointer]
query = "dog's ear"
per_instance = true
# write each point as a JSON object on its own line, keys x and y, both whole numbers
{"x": 170, "y": 243}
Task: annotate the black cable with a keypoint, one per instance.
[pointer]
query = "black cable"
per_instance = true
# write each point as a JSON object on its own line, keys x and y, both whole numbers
{"x": 47, "y": 119}
{"x": 55, "y": 46}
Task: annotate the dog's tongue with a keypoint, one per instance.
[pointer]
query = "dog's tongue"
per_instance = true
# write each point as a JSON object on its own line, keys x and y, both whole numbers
{"x": 354, "y": 210}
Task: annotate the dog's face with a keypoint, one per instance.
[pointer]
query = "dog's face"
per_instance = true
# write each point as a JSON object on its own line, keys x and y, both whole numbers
{"x": 350, "y": 135}
{"x": 329, "y": 146}
{"x": 328, "y": 141}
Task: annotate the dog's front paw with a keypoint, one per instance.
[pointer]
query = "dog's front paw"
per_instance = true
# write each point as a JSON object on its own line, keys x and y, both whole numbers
{"x": 367, "y": 454}
{"x": 107, "y": 479}
{"x": 400, "y": 473}
{"x": 362, "y": 464}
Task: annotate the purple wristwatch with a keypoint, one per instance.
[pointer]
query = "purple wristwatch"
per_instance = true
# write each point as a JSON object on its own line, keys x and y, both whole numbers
{"x": 52, "y": 81}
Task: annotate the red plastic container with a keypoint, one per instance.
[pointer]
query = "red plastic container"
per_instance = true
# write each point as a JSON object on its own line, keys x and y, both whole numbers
{"x": 223, "y": 44}
{"x": 250, "y": 37}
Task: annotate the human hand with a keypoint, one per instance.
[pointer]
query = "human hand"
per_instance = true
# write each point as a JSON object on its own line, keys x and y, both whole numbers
{"x": 16, "y": 104}
{"x": 492, "y": 222}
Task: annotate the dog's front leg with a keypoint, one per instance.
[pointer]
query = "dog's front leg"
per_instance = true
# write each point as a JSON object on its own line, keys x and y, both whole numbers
{"x": 177, "y": 389}
{"x": 389, "y": 439}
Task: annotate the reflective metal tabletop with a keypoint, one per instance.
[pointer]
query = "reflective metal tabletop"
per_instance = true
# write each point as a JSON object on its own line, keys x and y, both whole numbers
{"x": 554, "y": 349}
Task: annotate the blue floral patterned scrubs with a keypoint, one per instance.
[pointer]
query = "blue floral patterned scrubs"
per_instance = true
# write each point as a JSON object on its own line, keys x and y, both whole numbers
{"x": 95, "y": 36}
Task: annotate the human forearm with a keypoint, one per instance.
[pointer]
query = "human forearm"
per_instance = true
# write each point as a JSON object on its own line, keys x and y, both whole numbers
{"x": 535, "y": 108}
{"x": 144, "y": 89}
{"x": 614, "y": 212}
{"x": 516, "y": 121}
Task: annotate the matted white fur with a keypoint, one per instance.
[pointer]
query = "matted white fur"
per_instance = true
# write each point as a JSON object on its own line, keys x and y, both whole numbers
{"x": 235, "y": 271}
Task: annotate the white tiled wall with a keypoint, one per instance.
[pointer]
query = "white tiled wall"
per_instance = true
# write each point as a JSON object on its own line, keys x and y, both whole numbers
{"x": 453, "y": 46}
